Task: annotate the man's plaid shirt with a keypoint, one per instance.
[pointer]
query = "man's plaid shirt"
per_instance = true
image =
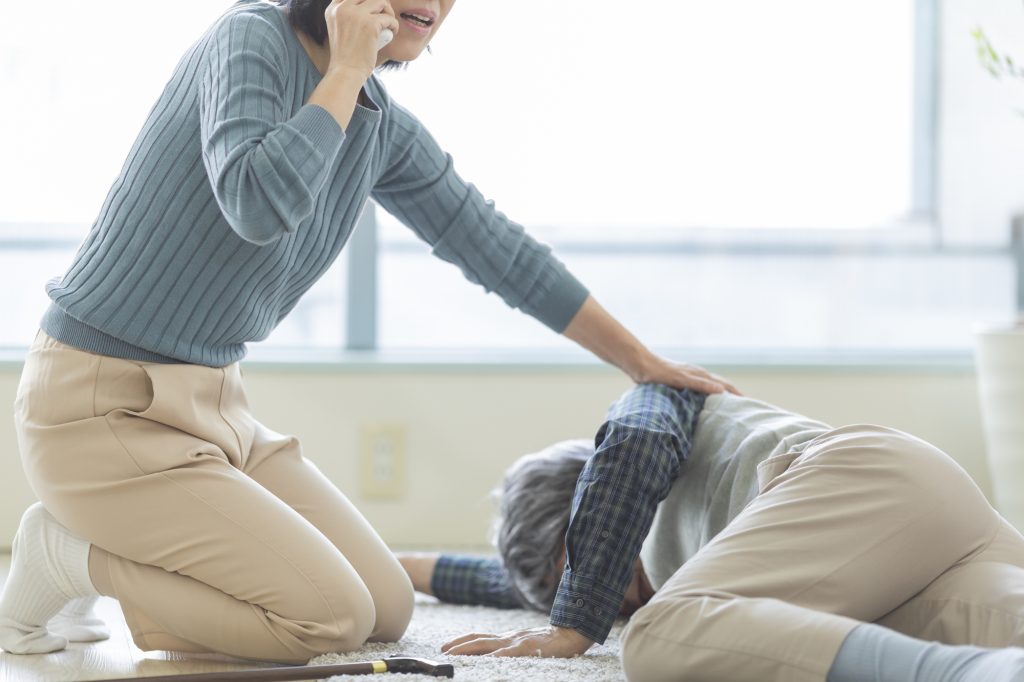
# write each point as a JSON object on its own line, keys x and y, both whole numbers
{"x": 647, "y": 435}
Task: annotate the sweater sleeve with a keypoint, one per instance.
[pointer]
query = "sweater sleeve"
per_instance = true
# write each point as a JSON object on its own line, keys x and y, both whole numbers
{"x": 266, "y": 166}
{"x": 420, "y": 187}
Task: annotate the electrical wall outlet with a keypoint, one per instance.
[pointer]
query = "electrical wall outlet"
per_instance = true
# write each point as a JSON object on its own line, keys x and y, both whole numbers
{"x": 382, "y": 461}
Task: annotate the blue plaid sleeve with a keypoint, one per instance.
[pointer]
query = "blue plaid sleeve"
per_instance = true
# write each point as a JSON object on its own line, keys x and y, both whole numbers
{"x": 473, "y": 580}
{"x": 647, "y": 435}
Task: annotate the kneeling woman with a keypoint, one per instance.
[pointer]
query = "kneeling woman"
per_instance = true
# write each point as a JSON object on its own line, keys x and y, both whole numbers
{"x": 158, "y": 485}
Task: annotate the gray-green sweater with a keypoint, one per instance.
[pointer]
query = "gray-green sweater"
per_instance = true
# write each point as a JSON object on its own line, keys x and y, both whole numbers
{"x": 733, "y": 435}
{"x": 237, "y": 196}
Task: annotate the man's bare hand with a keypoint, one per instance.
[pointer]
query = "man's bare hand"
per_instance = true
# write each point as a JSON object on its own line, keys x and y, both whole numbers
{"x": 546, "y": 642}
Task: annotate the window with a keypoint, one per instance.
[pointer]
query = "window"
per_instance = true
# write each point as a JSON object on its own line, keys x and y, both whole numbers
{"x": 726, "y": 114}
{"x": 728, "y": 176}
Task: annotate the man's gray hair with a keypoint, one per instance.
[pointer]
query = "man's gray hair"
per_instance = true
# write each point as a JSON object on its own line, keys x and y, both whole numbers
{"x": 534, "y": 502}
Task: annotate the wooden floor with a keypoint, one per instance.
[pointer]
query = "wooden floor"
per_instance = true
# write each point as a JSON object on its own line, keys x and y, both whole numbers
{"x": 115, "y": 658}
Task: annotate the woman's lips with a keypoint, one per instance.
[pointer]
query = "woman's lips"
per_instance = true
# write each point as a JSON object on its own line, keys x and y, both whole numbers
{"x": 415, "y": 26}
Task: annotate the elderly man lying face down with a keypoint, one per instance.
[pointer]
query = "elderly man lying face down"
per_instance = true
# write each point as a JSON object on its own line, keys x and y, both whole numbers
{"x": 748, "y": 543}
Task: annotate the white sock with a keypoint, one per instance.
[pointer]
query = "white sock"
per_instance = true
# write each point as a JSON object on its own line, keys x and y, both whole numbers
{"x": 76, "y": 622}
{"x": 49, "y": 568}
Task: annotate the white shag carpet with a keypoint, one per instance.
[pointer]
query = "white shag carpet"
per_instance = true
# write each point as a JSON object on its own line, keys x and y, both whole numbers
{"x": 434, "y": 623}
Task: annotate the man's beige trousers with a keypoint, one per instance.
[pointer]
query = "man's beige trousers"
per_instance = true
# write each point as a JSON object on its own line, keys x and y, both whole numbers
{"x": 213, "y": 532}
{"x": 867, "y": 524}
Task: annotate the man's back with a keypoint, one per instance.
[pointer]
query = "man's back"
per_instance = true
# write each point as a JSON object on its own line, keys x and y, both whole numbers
{"x": 734, "y": 434}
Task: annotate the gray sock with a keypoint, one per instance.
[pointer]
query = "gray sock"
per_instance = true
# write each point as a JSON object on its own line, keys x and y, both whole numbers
{"x": 872, "y": 653}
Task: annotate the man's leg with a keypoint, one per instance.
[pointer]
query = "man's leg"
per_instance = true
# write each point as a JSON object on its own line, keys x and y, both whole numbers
{"x": 857, "y": 524}
{"x": 978, "y": 601}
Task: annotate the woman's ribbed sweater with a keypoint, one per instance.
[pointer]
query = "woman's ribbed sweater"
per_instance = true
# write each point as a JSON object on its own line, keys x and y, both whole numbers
{"x": 237, "y": 196}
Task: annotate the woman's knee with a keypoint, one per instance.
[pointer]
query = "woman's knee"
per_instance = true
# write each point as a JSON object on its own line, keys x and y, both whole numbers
{"x": 393, "y": 602}
{"x": 376, "y": 609}
{"x": 343, "y": 623}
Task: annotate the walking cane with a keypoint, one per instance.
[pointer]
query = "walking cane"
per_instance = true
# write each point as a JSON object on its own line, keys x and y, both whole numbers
{"x": 395, "y": 664}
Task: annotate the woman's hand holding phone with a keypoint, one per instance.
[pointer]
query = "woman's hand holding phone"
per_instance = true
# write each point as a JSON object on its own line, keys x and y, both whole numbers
{"x": 353, "y": 32}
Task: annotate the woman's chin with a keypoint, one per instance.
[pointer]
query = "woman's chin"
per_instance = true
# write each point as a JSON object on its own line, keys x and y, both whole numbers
{"x": 404, "y": 53}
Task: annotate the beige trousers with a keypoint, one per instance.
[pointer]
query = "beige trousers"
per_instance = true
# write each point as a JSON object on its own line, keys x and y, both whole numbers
{"x": 213, "y": 532}
{"x": 867, "y": 524}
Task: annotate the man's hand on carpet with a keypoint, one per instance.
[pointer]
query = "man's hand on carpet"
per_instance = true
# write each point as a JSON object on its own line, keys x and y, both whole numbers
{"x": 546, "y": 642}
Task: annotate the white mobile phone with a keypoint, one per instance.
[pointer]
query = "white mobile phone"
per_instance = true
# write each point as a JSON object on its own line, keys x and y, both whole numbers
{"x": 385, "y": 37}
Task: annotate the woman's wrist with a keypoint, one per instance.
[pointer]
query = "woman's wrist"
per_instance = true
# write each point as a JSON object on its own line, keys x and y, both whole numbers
{"x": 338, "y": 92}
{"x": 638, "y": 363}
{"x": 347, "y": 75}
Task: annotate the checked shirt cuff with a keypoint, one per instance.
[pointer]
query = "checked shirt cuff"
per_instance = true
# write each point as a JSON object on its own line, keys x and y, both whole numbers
{"x": 586, "y": 606}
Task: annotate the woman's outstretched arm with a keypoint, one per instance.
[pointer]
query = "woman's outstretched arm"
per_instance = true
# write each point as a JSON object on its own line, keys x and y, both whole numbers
{"x": 596, "y": 330}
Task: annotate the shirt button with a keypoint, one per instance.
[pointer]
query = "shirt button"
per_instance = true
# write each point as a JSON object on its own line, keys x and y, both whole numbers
{"x": 605, "y": 534}
{"x": 597, "y": 612}
{"x": 579, "y": 602}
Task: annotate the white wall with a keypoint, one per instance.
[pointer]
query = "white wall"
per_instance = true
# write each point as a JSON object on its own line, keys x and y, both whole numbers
{"x": 465, "y": 428}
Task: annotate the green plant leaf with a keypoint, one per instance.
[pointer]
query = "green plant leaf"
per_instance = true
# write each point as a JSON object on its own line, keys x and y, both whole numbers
{"x": 995, "y": 63}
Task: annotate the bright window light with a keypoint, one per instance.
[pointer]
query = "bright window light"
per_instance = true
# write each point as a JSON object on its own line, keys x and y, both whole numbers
{"x": 676, "y": 113}
{"x": 598, "y": 125}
